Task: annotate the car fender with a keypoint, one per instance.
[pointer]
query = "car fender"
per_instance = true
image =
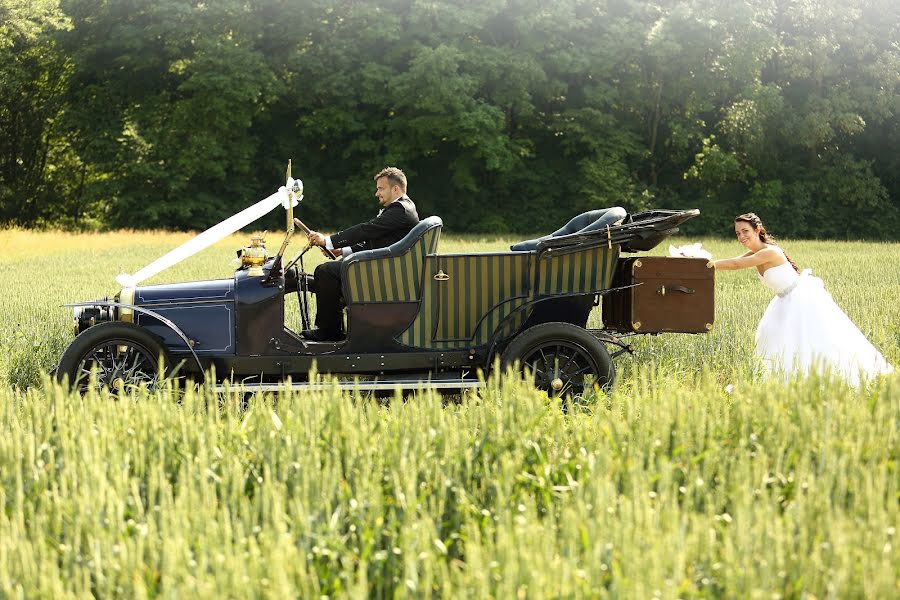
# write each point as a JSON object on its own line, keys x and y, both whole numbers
{"x": 497, "y": 339}
{"x": 175, "y": 329}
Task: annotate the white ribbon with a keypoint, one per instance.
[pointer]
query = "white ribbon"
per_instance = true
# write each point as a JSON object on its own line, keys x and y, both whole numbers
{"x": 216, "y": 233}
{"x": 690, "y": 251}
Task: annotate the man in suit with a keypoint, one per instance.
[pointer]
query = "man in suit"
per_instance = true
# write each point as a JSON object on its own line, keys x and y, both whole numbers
{"x": 395, "y": 219}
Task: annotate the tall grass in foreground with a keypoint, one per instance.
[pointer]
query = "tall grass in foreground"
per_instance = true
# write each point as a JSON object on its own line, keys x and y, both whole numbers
{"x": 671, "y": 490}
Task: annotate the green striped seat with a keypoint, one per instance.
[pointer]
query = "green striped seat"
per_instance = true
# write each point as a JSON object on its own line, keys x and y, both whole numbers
{"x": 576, "y": 270}
{"x": 467, "y": 297}
{"x": 394, "y": 273}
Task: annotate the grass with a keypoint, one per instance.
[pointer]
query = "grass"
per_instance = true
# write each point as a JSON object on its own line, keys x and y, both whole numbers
{"x": 671, "y": 487}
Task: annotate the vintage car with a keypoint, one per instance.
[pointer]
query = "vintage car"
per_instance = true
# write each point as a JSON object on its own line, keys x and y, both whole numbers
{"x": 413, "y": 315}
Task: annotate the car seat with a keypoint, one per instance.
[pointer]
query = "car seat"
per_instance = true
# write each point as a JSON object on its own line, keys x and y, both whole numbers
{"x": 392, "y": 273}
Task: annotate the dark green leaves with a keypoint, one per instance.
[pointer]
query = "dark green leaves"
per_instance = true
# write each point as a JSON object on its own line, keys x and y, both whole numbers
{"x": 506, "y": 114}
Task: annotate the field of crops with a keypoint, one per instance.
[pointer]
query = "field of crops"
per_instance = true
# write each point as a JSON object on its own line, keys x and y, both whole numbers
{"x": 695, "y": 478}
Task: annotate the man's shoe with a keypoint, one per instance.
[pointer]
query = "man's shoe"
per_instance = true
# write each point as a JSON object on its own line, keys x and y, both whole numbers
{"x": 320, "y": 335}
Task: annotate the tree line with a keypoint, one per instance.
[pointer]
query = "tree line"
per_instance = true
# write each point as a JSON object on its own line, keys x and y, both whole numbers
{"x": 507, "y": 115}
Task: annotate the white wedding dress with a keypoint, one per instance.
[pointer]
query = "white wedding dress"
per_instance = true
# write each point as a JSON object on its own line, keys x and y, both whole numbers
{"x": 804, "y": 329}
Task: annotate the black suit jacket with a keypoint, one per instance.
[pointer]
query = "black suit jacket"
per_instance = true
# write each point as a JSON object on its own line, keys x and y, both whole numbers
{"x": 391, "y": 224}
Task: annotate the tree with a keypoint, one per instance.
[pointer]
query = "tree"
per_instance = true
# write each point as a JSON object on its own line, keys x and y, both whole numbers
{"x": 794, "y": 140}
{"x": 168, "y": 93}
{"x": 508, "y": 115}
{"x": 33, "y": 80}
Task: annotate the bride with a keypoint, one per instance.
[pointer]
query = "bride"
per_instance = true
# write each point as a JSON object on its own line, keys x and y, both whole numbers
{"x": 802, "y": 328}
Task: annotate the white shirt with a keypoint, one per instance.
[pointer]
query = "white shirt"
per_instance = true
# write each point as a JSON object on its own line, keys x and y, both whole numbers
{"x": 344, "y": 251}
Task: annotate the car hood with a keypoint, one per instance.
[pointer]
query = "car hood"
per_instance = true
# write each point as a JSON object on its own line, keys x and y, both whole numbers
{"x": 216, "y": 290}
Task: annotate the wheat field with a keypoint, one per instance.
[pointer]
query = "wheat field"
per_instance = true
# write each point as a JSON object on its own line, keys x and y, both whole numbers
{"x": 695, "y": 478}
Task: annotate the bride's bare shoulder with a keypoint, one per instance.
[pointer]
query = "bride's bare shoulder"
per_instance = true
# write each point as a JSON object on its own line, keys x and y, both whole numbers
{"x": 769, "y": 250}
{"x": 773, "y": 255}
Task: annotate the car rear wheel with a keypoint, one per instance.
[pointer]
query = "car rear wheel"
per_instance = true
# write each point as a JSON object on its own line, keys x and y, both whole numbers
{"x": 563, "y": 359}
{"x": 122, "y": 355}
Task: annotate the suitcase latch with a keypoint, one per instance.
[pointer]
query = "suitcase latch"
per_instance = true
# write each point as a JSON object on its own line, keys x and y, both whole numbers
{"x": 675, "y": 288}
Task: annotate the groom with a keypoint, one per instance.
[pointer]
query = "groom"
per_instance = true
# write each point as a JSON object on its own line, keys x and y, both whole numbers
{"x": 395, "y": 219}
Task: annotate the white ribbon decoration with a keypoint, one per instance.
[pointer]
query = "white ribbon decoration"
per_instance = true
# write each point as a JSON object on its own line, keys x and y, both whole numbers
{"x": 695, "y": 250}
{"x": 214, "y": 234}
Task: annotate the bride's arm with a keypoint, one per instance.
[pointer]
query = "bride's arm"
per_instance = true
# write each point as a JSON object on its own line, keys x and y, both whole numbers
{"x": 745, "y": 261}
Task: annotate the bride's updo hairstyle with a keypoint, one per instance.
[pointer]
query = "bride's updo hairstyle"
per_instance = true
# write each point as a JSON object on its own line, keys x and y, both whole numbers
{"x": 764, "y": 236}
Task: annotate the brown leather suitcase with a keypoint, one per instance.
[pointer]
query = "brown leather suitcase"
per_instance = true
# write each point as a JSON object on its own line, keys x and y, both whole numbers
{"x": 670, "y": 294}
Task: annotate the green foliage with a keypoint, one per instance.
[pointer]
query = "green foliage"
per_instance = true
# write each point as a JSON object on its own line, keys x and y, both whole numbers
{"x": 508, "y": 115}
{"x": 25, "y": 21}
{"x": 793, "y": 140}
{"x": 34, "y": 77}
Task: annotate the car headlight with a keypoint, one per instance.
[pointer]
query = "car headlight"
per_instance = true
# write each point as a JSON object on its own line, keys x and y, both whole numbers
{"x": 84, "y": 317}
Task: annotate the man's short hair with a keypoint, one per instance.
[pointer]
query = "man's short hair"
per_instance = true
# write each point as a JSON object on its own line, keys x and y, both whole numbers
{"x": 394, "y": 176}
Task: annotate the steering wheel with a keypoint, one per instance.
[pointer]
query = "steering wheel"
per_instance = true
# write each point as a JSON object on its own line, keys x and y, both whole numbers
{"x": 307, "y": 231}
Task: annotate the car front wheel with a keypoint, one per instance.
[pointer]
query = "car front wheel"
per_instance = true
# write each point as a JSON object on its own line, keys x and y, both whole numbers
{"x": 122, "y": 355}
{"x": 563, "y": 359}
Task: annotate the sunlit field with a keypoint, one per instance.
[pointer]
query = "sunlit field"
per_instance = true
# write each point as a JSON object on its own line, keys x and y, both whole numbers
{"x": 696, "y": 477}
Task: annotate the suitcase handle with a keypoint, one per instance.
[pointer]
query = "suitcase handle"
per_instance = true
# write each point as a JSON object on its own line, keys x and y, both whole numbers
{"x": 675, "y": 288}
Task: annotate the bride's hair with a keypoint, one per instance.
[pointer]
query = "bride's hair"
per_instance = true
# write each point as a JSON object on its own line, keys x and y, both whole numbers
{"x": 764, "y": 236}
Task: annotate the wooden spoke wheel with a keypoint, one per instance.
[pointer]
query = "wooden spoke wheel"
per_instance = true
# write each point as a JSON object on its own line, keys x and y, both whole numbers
{"x": 563, "y": 359}
{"x": 122, "y": 356}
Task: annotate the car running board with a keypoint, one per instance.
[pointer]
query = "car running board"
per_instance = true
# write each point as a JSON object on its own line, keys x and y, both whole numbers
{"x": 356, "y": 385}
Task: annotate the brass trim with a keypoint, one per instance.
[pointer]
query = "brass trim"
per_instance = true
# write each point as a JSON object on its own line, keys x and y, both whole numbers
{"x": 441, "y": 276}
{"x": 636, "y": 265}
{"x": 636, "y": 325}
{"x": 709, "y": 326}
{"x": 126, "y": 296}
{"x": 661, "y": 291}
{"x": 710, "y": 264}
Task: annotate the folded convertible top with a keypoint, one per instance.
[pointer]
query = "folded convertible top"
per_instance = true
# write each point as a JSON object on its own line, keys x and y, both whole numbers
{"x": 637, "y": 233}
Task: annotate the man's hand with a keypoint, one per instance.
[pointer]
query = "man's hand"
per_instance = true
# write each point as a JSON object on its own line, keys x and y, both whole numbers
{"x": 316, "y": 238}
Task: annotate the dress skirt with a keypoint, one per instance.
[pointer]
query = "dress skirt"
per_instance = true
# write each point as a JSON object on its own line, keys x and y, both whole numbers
{"x": 805, "y": 330}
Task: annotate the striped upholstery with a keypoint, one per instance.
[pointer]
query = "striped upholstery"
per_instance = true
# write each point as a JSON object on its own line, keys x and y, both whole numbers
{"x": 420, "y": 332}
{"x": 387, "y": 277}
{"x": 576, "y": 270}
{"x": 467, "y": 308}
